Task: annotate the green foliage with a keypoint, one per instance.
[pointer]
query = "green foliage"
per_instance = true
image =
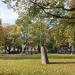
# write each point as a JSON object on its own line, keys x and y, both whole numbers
{"x": 49, "y": 45}
{"x": 12, "y": 37}
{"x": 2, "y": 35}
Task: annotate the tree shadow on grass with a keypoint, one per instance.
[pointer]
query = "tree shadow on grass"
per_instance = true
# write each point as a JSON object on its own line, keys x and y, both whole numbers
{"x": 61, "y": 62}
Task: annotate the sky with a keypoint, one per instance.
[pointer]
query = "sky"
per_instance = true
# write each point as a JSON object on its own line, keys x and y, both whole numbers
{"x": 7, "y": 15}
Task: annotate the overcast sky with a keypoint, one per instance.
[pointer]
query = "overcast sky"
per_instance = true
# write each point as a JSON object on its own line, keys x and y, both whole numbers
{"x": 7, "y": 15}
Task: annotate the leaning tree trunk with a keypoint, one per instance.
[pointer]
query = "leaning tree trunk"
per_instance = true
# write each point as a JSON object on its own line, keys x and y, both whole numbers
{"x": 44, "y": 56}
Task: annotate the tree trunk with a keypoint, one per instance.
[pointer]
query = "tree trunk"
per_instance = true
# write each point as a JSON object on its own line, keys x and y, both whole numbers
{"x": 44, "y": 56}
{"x": 9, "y": 49}
{"x": 72, "y": 50}
{"x": 39, "y": 49}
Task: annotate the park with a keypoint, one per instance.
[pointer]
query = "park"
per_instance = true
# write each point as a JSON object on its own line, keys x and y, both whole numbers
{"x": 37, "y": 37}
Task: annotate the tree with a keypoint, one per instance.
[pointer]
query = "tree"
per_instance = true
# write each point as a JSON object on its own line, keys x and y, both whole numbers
{"x": 12, "y": 38}
{"x": 40, "y": 38}
{"x": 49, "y": 7}
{"x": 2, "y": 34}
{"x": 34, "y": 32}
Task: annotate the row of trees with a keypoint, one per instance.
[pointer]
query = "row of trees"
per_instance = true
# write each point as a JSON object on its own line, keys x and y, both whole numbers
{"x": 57, "y": 14}
{"x": 12, "y": 38}
{"x": 34, "y": 33}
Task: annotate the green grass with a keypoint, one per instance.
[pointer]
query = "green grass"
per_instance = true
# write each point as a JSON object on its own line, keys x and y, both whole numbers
{"x": 60, "y": 64}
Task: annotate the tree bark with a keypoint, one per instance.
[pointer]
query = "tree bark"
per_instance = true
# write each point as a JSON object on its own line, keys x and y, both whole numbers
{"x": 72, "y": 50}
{"x": 44, "y": 56}
{"x": 39, "y": 49}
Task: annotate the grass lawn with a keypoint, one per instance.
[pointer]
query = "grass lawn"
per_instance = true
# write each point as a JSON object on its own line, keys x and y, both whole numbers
{"x": 60, "y": 64}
